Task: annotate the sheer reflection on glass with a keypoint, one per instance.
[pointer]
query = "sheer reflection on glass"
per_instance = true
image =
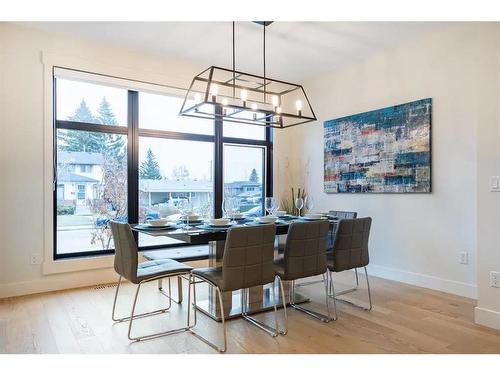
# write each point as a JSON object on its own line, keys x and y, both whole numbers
{"x": 243, "y": 177}
{"x": 299, "y": 203}
{"x": 309, "y": 203}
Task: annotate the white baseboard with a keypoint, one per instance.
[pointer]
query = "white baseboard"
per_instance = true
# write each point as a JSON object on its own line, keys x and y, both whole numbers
{"x": 425, "y": 281}
{"x": 486, "y": 317}
{"x": 58, "y": 282}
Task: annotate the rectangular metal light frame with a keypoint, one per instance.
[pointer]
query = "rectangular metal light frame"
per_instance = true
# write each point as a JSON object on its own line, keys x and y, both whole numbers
{"x": 264, "y": 118}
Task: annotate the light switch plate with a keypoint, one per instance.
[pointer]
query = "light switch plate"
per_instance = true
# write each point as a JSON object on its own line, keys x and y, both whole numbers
{"x": 495, "y": 183}
{"x": 495, "y": 279}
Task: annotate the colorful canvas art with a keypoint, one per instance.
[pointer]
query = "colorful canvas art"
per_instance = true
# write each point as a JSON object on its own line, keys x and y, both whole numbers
{"x": 383, "y": 151}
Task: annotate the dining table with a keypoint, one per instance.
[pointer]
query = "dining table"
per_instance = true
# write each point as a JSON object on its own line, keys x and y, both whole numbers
{"x": 259, "y": 298}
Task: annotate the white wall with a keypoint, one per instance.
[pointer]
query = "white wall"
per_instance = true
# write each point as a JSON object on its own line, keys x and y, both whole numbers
{"x": 488, "y": 203}
{"x": 22, "y": 168}
{"x": 415, "y": 238}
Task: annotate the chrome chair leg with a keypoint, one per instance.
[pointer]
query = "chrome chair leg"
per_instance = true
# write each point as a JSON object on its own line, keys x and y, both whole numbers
{"x": 283, "y": 300}
{"x": 153, "y": 335}
{"x": 317, "y": 315}
{"x": 143, "y": 315}
{"x": 269, "y": 330}
{"x": 349, "y": 290}
{"x": 335, "y": 295}
{"x": 169, "y": 294}
{"x": 330, "y": 286}
{"x": 369, "y": 291}
{"x": 190, "y": 327}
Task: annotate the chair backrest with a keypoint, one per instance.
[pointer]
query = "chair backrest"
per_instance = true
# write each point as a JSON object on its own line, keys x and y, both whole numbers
{"x": 350, "y": 249}
{"x": 305, "y": 249}
{"x": 248, "y": 257}
{"x": 343, "y": 214}
{"x": 125, "y": 251}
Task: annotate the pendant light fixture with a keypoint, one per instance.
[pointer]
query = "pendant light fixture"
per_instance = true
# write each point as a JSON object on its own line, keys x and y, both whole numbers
{"x": 234, "y": 96}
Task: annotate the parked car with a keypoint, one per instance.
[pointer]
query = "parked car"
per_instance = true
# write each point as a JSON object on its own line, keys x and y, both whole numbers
{"x": 103, "y": 221}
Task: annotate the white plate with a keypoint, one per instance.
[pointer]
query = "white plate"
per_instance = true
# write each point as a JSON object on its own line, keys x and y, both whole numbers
{"x": 165, "y": 225}
{"x": 313, "y": 218}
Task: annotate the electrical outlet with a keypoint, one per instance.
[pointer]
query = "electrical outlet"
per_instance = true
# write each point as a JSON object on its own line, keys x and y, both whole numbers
{"x": 35, "y": 259}
{"x": 495, "y": 279}
{"x": 463, "y": 257}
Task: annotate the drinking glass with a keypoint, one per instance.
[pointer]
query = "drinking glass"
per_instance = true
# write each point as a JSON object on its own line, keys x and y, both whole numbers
{"x": 186, "y": 208}
{"x": 236, "y": 207}
{"x": 227, "y": 207}
{"x": 299, "y": 203}
{"x": 309, "y": 203}
{"x": 275, "y": 206}
{"x": 268, "y": 205}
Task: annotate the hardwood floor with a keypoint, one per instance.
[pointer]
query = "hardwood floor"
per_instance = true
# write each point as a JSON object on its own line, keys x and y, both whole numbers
{"x": 405, "y": 319}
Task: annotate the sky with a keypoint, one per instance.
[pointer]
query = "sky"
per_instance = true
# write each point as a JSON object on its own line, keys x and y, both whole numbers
{"x": 160, "y": 112}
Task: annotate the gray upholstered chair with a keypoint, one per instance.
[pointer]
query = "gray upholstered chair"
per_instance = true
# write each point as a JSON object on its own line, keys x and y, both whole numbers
{"x": 350, "y": 251}
{"x": 305, "y": 256}
{"x": 343, "y": 214}
{"x": 247, "y": 262}
{"x": 127, "y": 266}
{"x": 181, "y": 254}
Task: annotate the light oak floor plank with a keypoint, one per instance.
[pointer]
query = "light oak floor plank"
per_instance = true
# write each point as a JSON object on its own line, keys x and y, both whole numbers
{"x": 405, "y": 319}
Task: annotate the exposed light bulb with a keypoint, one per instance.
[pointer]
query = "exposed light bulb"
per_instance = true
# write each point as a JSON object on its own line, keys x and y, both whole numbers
{"x": 225, "y": 102}
{"x": 254, "y": 108}
{"x": 298, "y": 106}
{"x": 244, "y": 95}
{"x": 214, "y": 90}
{"x": 275, "y": 101}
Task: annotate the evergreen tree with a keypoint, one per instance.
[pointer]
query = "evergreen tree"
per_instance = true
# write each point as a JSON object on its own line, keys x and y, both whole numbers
{"x": 75, "y": 140}
{"x": 83, "y": 114}
{"x": 254, "y": 177}
{"x": 149, "y": 168}
{"x": 112, "y": 145}
{"x": 105, "y": 114}
{"x": 115, "y": 144}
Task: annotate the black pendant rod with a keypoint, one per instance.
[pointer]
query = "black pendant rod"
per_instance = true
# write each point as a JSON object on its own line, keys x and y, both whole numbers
{"x": 234, "y": 68}
{"x": 264, "y": 59}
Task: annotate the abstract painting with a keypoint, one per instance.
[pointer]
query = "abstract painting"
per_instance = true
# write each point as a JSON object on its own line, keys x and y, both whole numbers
{"x": 383, "y": 151}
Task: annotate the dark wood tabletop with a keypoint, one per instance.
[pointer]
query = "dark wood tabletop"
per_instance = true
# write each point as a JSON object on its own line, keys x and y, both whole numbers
{"x": 197, "y": 235}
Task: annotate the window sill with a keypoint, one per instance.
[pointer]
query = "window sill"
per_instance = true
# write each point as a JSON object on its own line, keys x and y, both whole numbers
{"x": 51, "y": 266}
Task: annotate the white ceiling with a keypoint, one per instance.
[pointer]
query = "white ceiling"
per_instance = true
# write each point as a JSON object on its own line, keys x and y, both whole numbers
{"x": 295, "y": 50}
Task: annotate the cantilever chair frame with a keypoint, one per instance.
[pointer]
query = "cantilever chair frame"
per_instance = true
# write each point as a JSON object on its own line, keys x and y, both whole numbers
{"x": 334, "y": 295}
{"x": 130, "y": 248}
{"x": 273, "y": 331}
{"x": 331, "y": 290}
{"x": 131, "y": 318}
{"x": 324, "y": 318}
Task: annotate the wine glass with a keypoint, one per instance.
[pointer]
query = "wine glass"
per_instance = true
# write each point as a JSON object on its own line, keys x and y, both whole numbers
{"x": 227, "y": 207}
{"x": 268, "y": 205}
{"x": 299, "y": 203}
{"x": 275, "y": 206}
{"x": 186, "y": 208}
{"x": 309, "y": 203}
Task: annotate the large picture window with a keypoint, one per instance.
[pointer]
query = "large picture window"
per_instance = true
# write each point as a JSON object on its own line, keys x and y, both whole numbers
{"x": 124, "y": 154}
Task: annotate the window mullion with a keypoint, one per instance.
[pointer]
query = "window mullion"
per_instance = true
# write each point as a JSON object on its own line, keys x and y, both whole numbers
{"x": 133, "y": 157}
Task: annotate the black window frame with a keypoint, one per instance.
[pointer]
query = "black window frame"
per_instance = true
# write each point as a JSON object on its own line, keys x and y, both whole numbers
{"x": 133, "y": 131}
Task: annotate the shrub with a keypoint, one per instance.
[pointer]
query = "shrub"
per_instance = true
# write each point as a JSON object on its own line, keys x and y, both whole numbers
{"x": 65, "y": 209}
